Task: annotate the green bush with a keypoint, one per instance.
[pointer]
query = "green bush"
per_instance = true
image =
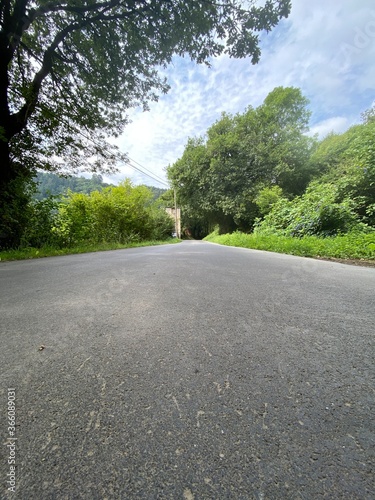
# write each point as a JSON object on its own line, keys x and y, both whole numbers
{"x": 267, "y": 197}
{"x": 317, "y": 212}
{"x": 73, "y": 222}
{"x": 42, "y": 218}
{"x": 162, "y": 225}
{"x": 348, "y": 161}
{"x": 119, "y": 214}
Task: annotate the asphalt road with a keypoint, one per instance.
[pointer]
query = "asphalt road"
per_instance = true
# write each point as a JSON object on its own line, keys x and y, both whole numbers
{"x": 189, "y": 371}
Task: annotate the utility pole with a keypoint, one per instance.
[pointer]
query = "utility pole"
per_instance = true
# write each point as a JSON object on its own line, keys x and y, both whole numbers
{"x": 175, "y": 214}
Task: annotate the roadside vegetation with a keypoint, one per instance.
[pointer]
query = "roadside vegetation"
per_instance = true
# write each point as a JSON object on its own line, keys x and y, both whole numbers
{"x": 348, "y": 246}
{"x": 258, "y": 180}
{"x": 47, "y": 251}
{"x": 115, "y": 217}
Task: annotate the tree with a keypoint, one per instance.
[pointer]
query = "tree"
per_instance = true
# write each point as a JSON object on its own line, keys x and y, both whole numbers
{"x": 348, "y": 161}
{"x": 70, "y": 70}
{"x": 191, "y": 177}
{"x": 369, "y": 115}
{"x": 220, "y": 178}
{"x": 284, "y": 150}
{"x": 341, "y": 199}
{"x": 267, "y": 197}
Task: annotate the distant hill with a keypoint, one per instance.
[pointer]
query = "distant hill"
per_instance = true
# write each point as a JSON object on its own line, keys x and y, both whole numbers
{"x": 157, "y": 192}
{"x": 52, "y": 184}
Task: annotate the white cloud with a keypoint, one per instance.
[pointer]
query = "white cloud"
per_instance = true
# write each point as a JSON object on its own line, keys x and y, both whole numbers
{"x": 336, "y": 124}
{"x": 325, "y": 48}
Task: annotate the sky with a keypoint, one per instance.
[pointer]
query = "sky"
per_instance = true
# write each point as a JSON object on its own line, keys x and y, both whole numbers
{"x": 325, "y": 47}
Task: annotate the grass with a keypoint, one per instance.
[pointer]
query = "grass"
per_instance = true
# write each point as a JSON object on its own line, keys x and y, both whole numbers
{"x": 348, "y": 246}
{"x": 36, "y": 253}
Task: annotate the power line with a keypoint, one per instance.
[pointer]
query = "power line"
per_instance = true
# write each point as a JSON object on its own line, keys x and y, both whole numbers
{"x": 127, "y": 162}
{"x": 152, "y": 173}
{"x": 153, "y": 176}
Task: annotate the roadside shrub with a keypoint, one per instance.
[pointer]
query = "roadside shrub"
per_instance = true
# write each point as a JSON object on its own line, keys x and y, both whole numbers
{"x": 14, "y": 212}
{"x": 42, "y": 218}
{"x": 348, "y": 161}
{"x": 317, "y": 212}
{"x": 121, "y": 214}
{"x": 73, "y": 221}
{"x": 162, "y": 225}
{"x": 267, "y": 197}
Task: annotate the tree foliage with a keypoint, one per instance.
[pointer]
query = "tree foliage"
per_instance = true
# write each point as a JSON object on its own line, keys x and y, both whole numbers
{"x": 220, "y": 178}
{"x": 348, "y": 161}
{"x": 267, "y": 197}
{"x": 260, "y": 170}
{"x": 319, "y": 211}
{"x": 342, "y": 198}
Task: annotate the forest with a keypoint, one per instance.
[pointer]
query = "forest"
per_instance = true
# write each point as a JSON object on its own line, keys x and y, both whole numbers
{"x": 261, "y": 173}
{"x": 50, "y": 184}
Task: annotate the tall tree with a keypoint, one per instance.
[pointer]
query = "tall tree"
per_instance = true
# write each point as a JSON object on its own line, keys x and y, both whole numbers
{"x": 221, "y": 178}
{"x": 284, "y": 150}
{"x": 70, "y": 69}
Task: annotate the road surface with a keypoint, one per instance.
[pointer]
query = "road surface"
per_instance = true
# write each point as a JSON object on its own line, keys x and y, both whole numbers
{"x": 189, "y": 371}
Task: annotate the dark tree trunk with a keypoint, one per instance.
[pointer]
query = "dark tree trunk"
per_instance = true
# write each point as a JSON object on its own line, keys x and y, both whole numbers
{"x": 13, "y": 200}
{"x": 6, "y": 173}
